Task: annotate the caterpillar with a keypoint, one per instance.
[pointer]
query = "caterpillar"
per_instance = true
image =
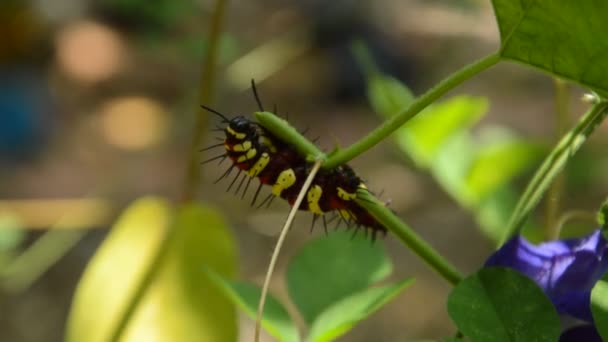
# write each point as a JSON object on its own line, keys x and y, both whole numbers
{"x": 257, "y": 153}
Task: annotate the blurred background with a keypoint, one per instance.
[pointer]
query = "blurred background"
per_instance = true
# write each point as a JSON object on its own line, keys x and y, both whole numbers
{"x": 97, "y": 105}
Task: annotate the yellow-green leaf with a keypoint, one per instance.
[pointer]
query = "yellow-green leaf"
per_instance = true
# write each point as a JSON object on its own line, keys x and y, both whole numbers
{"x": 181, "y": 304}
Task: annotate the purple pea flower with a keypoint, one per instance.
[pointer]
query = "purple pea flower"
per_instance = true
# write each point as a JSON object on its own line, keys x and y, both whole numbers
{"x": 566, "y": 270}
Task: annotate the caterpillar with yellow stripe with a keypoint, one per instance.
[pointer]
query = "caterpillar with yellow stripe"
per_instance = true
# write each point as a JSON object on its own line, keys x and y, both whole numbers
{"x": 257, "y": 153}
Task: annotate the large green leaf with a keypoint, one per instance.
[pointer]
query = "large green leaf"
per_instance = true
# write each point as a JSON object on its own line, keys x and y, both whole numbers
{"x": 151, "y": 243}
{"x": 343, "y": 315}
{"x": 332, "y": 268}
{"x": 500, "y": 304}
{"x": 565, "y": 38}
{"x": 276, "y": 319}
{"x": 599, "y": 306}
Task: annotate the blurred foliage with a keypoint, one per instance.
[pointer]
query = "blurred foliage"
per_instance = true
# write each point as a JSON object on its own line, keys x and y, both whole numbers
{"x": 141, "y": 15}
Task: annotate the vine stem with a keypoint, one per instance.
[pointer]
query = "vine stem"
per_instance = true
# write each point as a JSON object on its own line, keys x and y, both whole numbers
{"x": 277, "y": 248}
{"x": 208, "y": 75}
{"x": 555, "y": 192}
{"x": 409, "y": 237}
{"x": 390, "y": 125}
{"x": 568, "y": 145}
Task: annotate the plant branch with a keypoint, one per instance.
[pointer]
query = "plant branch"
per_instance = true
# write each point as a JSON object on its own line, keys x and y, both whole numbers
{"x": 208, "y": 74}
{"x": 555, "y": 192}
{"x": 409, "y": 237}
{"x": 390, "y": 125}
{"x": 568, "y": 145}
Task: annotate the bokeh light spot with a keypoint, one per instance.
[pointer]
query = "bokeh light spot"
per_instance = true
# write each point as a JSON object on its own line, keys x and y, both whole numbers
{"x": 89, "y": 52}
{"x": 134, "y": 122}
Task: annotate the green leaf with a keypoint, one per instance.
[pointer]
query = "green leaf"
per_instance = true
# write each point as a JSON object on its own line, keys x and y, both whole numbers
{"x": 388, "y": 95}
{"x": 152, "y": 245}
{"x": 564, "y": 38}
{"x": 500, "y": 304}
{"x": 334, "y": 267}
{"x": 599, "y": 306}
{"x": 276, "y": 319}
{"x": 497, "y": 163}
{"x": 342, "y": 316}
{"x": 425, "y": 134}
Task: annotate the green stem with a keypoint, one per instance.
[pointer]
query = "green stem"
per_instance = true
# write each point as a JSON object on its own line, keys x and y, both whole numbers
{"x": 396, "y": 121}
{"x": 409, "y": 237}
{"x": 208, "y": 75}
{"x": 25, "y": 269}
{"x": 552, "y": 203}
{"x": 581, "y": 215}
{"x": 553, "y": 164}
{"x": 285, "y": 132}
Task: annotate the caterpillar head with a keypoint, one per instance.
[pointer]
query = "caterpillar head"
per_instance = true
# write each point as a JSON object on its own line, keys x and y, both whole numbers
{"x": 240, "y": 128}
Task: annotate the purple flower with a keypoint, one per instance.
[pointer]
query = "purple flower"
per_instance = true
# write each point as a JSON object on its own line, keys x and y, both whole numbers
{"x": 566, "y": 270}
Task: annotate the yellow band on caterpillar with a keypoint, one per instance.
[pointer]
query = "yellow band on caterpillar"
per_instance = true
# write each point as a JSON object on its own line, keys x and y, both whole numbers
{"x": 259, "y": 165}
{"x": 313, "y": 196}
{"x": 235, "y": 133}
{"x": 245, "y": 146}
{"x": 247, "y": 156}
{"x": 286, "y": 179}
{"x": 347, "y": 196}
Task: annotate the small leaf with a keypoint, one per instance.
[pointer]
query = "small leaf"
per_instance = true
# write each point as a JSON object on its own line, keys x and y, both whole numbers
{"x": 599, "y": 306}
{"x": 499, "y": 304}
{"x": 246, "y": 296}
{"x": 387, "y": 95}
{"x": 180, "y": 303}
{"x": 342, "y": 316}
{"x": 560, "y": 37}
{"x": 424, "y": 135}
{"x": 334, "y": 267}
{"x": 497, "y": 163}
{"x": 451, "y": 164}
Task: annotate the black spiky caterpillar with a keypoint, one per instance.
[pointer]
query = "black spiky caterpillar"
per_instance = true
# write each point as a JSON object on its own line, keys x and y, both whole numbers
{"x": 257, "y": 153}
